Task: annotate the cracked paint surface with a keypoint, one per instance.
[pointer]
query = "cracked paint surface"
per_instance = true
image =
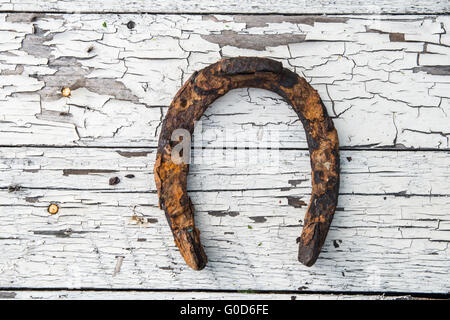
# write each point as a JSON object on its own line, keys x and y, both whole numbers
{"x": 384, "y": 80}
{"x": 392, "y": 216}
{"x": 229, "y": 6}
{"x": 368, "y": 72}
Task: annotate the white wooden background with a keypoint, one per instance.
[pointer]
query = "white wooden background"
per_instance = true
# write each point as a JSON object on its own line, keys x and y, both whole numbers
{"x": 385, "y": 79}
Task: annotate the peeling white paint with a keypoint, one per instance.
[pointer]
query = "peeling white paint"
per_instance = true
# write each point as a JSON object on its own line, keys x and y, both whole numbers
{"x": 173, "y": 295}
{"x": 230, "y": 6}
{"x": 365, "y": 69}
{"x": 384, "y": 79}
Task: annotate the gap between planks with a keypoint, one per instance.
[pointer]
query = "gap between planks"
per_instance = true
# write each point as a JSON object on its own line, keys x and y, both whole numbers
{"x": 193, "y": 13}
{"x": 67, "y": 293}
{"x": 330, "y": 52}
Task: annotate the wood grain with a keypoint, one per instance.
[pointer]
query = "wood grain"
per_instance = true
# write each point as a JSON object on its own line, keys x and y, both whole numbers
{"x": 174, "y": 295}
{"x": 188, "y": 106}
{"x": 390, "y": 229}
{"x": 384, "y": 79}
{"x": 229, "y": 6}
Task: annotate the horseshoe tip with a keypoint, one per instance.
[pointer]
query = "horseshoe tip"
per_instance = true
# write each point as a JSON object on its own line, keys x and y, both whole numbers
{"x": 307, "y": 255}
{"x": 188, "y": 241}
{"x": 197, "y": 266}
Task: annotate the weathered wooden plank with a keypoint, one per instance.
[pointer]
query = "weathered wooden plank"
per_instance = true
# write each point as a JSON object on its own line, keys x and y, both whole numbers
{"x": 173, "y": 295}
{"x": 384, "y": 79}
{"x": 386, "y": 82}
{"x": 362, "y": 172}
{"x": 376, "y": 243}
{"x": 230, "y": 6}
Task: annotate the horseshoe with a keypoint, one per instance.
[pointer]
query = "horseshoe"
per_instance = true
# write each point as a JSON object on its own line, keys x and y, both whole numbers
{"x": 199, "y": 91}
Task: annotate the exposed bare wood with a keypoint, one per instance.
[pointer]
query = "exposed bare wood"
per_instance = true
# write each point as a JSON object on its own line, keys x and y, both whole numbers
{"x": 376, "y": 243}
{"x": 385, "y": 80}
{"x": 372, "y": 172}
{"x": 390, "y": 229}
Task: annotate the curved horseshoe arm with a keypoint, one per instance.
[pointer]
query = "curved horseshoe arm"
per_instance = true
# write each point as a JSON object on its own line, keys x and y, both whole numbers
{"x": 188, "y": 105}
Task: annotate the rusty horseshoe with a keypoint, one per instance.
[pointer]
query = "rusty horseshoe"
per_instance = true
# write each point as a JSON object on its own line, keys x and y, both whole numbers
{"x": 199, "y": 91}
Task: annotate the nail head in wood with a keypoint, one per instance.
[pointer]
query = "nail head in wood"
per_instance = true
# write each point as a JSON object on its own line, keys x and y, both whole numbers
{"x": 66, "y": 92}
{"x": 53, "y": 208}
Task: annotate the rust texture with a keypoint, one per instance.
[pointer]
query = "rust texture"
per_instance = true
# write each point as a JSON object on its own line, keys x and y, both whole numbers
{"x": 205, "y": 86}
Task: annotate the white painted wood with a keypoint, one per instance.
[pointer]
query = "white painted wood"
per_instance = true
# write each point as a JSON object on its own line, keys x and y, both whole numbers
{"x": 173, "y": 295}
{"x": 230, "y": 6}
{"x": 385, "y": 79}
{"x": 376, "y": 242}
{"x": 390, "y": 233}
{"x": 362, "y": 172}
